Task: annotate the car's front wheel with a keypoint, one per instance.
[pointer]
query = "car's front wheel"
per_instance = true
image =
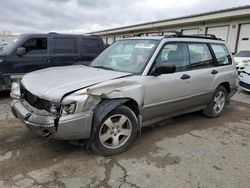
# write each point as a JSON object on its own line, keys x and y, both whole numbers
{"x": 218, "y": 102}
{"x": 116, "y": 132}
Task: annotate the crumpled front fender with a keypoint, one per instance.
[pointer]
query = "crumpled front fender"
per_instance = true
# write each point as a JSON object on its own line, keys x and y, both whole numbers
{"x": 119, "y": 89}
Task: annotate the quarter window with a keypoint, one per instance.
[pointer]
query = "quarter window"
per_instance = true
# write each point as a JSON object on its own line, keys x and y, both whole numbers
{"x": 64, "y": 46}
{"x": 174, "y": 53}
{"x": 36, "y": 46}
{"x": 200, "y": 56}
{"x": 222, "y": 55}
{"x": 91, "y": 46}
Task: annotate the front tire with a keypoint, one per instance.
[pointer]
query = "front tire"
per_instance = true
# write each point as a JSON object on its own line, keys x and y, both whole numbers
{"x": 217, "y": 104}
{"x": 116, "y": 132}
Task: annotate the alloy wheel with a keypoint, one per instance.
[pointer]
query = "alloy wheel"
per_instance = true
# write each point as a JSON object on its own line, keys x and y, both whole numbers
{"x": 115, "y": 131}
{"x": 219, "y": 102}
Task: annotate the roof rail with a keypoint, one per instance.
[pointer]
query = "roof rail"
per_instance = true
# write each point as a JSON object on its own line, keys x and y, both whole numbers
{"x": 52, "y": 33}
{"x": 175, "y": 33}
{"x": 201, "y": 36}
{"x": 94, "y": 36}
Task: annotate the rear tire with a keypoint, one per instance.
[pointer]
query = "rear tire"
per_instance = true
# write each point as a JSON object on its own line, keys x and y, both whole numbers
{"x": 116, "y": 132}
{"x": 217, "y": 104}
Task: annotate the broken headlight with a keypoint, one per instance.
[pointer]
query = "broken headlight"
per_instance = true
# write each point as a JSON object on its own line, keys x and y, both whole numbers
{"x": 68, "y": 109}
{"x": 15, "y": 90}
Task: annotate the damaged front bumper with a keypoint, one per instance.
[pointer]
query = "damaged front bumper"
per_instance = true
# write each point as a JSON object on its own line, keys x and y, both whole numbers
{"x": 74, "y": 126}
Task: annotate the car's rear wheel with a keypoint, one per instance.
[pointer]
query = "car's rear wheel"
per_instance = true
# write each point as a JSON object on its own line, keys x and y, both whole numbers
{"x": 116, "y": 132}
{"x": 218, "y": 102}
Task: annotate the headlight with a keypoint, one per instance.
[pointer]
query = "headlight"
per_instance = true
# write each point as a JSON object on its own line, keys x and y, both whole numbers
{"x": 1, "y": 60}
{"x": 15, "y": 90}
{"x": 68, "y": 109}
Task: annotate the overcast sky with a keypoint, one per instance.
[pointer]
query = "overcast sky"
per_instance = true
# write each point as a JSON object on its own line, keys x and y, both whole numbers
{"x": 80, "y": 16}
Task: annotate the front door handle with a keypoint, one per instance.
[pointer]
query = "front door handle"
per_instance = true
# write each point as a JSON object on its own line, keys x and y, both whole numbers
{"x": 48, "y": 60}
{"x": 185, "y": 77}
{"x": 214, "y": 72}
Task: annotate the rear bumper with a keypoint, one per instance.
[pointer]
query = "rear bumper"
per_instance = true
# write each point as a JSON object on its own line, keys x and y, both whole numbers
{"x": 75, "y": 126}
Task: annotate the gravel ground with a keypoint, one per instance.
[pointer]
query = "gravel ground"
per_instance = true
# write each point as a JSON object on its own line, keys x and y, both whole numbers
{"x": 187, "y": 151}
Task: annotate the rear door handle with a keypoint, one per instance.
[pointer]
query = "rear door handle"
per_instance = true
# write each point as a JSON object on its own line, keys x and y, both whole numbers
{"x": 214, "y": 72}
{"x": 185, "y": 76}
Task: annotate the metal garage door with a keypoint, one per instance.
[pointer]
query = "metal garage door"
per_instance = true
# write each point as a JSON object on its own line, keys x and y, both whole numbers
{"x": 154, "y": 34}
{"x": 190, "y": 32}
{"x": 220, "y": 32}
{"x": 244, "y": 37}
{"x": 118, "y": 38}
{"x": 110, "y": 40}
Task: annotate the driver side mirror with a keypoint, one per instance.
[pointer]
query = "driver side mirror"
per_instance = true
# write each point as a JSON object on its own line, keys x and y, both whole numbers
{"x": 164, "y": 69}
{"x": 21, "y": 51}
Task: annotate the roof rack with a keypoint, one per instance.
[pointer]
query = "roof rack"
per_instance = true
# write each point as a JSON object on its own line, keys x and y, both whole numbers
{"x": 175, "y": 34}
{"x": 201, "y": 36}
{"x": 52, "y": 32}
{"x": 92, "y": 35}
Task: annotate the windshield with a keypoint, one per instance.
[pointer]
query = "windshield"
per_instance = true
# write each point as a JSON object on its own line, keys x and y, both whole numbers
{"x": 130, "y": 55}
{"x": 10, "y": 45}
{"x": 243, "y": 54}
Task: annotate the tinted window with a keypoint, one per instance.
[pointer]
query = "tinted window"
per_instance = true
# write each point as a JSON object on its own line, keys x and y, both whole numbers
{"x": 36, "y": 46}
{"x": 91, "y": 46}
{"x": 200, "y": 56}
{"x": 64, "y": 45}
{"x": 174, "y": 53}
{"x": 222, "y": 55}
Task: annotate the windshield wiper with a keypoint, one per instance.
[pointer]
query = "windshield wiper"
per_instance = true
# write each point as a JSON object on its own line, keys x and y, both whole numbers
{"x": 102, "y": 67}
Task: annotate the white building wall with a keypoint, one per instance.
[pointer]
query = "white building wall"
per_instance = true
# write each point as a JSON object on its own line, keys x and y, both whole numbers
{"x": 233, "y": 30}
{"x": 190, "y": 31}
{"x": 7, "y": 38}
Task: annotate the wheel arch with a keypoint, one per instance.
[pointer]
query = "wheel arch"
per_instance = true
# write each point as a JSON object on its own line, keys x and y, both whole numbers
{"x": 226, "y": 85}
{"x": 107, "y": 105}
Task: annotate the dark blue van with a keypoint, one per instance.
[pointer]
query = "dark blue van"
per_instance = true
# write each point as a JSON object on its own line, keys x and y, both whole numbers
{"x": 30, "y": 52}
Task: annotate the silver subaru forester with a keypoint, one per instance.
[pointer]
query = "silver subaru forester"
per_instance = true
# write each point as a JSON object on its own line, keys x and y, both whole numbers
{"x": 134, "y": 83}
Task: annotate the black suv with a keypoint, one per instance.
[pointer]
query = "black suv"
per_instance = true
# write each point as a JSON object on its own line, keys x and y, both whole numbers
{"x": 30, "y": 52}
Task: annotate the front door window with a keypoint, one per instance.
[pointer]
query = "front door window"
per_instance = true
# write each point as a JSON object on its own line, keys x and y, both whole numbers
{"x": 174, "y": 53}
{"x": 36, "y": 46}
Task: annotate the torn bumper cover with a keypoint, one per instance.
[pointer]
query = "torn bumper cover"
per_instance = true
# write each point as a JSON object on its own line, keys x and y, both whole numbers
{"x": 75, "y": 126}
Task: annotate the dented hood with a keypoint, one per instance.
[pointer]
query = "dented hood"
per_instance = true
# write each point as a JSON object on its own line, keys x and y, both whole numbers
{"x": 53, "y": 83}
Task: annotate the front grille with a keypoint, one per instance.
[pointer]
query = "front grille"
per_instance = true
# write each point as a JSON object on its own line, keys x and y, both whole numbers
{"x": 245, "y": 85}
{"x": 35, "y": 101}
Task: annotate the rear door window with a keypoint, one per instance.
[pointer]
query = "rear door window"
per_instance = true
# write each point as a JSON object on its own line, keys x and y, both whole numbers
{"x": 222, "y": 55}
{"x": 36, "y": 46}
{"x": 91, "y": 46}
{"x": 200, "y": 56}
{"x": 62, "y": 45}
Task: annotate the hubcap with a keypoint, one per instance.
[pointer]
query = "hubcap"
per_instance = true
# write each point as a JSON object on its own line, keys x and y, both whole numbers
{"x": 115, "y": 131}
{"x": 219, "y": 101}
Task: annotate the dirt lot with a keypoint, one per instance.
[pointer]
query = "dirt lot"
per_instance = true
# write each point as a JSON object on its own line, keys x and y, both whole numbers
{"x": 186, "y": 151}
